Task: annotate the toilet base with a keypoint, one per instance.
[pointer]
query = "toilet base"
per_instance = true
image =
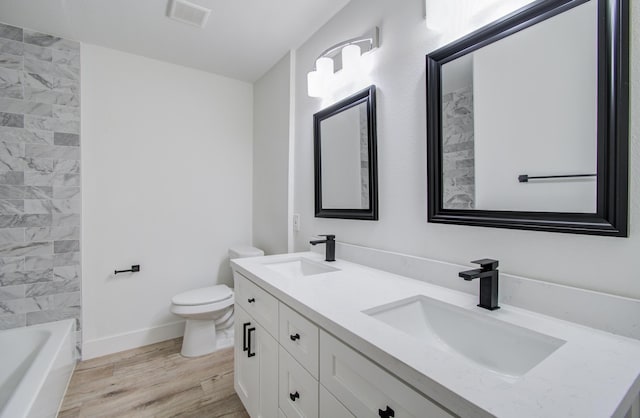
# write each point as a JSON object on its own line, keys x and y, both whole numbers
{"x": 201, "y": 338}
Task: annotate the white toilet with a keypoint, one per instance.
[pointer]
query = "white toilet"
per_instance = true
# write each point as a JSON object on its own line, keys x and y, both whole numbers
{"x": 209, "y": 312}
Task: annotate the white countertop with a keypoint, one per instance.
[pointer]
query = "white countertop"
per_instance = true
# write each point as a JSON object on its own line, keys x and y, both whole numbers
{"x": 594, "y": 374}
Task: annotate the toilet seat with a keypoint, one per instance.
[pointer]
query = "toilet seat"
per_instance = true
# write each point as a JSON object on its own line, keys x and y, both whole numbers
{"x": 203, "y": 296}
{"x": 205, "y": 299}
{"x": 205, "y": 307}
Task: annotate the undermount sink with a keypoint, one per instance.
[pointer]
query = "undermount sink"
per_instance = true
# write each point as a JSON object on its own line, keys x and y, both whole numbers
{"x": 498, "y": 346}
{"x": 299, "y": 268}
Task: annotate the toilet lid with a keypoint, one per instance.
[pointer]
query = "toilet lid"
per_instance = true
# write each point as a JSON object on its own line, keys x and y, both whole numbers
{"x": 203, "y": 295}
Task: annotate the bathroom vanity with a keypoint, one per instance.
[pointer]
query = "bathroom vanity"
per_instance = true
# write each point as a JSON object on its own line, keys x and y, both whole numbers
{"x": 319, "y": 339}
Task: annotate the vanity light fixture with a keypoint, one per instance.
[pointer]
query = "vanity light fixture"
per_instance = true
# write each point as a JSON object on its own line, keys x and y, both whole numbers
{"x": 343, "y": 56}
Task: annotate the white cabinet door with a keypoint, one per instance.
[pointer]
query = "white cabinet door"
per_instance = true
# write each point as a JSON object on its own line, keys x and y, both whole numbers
{"x": 246, "y": 371}
{"x": 331, "y": 407}
{"x": 299, "y": 337}
{"x": 258, "y": 303}
{"x": 366, "y": 389}
{"x": 298, "y": 389}
{"x": 256, "y": 362}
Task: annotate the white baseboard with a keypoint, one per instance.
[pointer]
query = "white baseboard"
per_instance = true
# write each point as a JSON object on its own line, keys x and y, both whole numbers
{"x": 134, "y": 339}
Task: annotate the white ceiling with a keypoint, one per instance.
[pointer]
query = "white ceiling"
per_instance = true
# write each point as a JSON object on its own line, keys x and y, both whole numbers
{"x": 242, "y": 39}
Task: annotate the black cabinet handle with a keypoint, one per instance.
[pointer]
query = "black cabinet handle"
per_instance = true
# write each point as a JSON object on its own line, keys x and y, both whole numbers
{"x": 294, "y": 337}
{"x": 249, "y": 353}
{"x": 294, "y": 396}
{"x": 245, "y": 346}
{"x": 386, "y": 413}
{"x": 251, "y": 300}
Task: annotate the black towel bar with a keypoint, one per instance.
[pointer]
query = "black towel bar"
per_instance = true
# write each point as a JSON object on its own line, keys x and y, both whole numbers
{"x": 524, "y": 178}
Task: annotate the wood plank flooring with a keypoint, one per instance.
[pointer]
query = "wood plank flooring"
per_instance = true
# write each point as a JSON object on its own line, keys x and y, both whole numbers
{"x": 154, "y": 381}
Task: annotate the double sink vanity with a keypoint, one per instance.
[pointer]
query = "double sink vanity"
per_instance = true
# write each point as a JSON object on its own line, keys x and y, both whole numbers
{"x": 340, "y": 339}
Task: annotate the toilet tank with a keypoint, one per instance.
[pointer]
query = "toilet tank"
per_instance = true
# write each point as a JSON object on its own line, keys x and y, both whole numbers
{"x": 246, "y": 251}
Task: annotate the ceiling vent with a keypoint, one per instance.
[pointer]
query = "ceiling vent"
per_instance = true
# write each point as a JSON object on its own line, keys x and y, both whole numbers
{"x": 187, "y": 12}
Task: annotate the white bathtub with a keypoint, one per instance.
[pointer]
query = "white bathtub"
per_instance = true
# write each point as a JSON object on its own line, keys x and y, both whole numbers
{"x": 36, "y": 364}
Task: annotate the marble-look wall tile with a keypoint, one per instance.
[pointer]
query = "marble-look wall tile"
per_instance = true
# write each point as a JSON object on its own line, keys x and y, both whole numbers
{"x": 12, "y": 120}
{"x": 38, "y": 52}
{"x": 51, "y": 206}
{"x": 52, "y": 233}
{"x": 66, "y": 112}
{"x": 50, "y": 97}
{"x": 12, "y": 178}
{"x": 25, "y": 135}
{"x": 25, "y": 107}
{"x": 11, "y": 192}
{"x": 23, "y": 249}
{"x": 26, "y": 305}
{"x": 11, "y": 83}
{"x": 50, "y": 124}
{"x": 66, "y": 259}
{"x": 10, "y": 32}
{"x": 67, "y": 273}
{"x": 26, "y": 277}
{"x": 38, "y": 192}
{"x": 51, "y": 288}
{"x": 37, "y": 66}
{"x": 23, "y": 221}
{"x": 39, "y": 178}
{"x": 52, "y": 151}
{"x": 11, "y": 206}
{"x": 44, "y": 82}
{"x": 37, "y": 164}
{"x": 12, "y": 292}
{"x": 61, "y": 138}
{"x": 9, "y": 264}
{"x": 13, "y": 62}
{"x": 66, "y": 246}
{"x": 11, "y": 235}
{"x": 458, "y": 162}
{"x": 66, "y": 219}
{"x": 38, "y": 262}
{"x": 50, "y": 41}
{"x": 70, "y": 58}
{"x": 66, "y": 166}
{"x": 12, "y": 321}
{"x": 51, "y": 179}
{"x": 8, "y": 46}
{"x": 66, "y": 192}
{"x": 71, "y": 312}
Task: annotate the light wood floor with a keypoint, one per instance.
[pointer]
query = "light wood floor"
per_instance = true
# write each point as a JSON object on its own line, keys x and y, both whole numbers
{"x": 154, "y": 381}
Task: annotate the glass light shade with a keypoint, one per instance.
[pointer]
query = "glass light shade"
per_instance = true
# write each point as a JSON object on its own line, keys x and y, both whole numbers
{"x": 350, "y": 57}
{"x": 314, "y": 84}
{"x": 324, "y": 66}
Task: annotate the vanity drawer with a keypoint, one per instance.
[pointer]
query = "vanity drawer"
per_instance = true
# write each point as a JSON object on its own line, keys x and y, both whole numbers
{"x": 365, "y": 388}
{"x": 331, "y": 407}
{"x": 258, "y": 303}
{"x": 298, "y": 390}
{"x": 299, "y": 337}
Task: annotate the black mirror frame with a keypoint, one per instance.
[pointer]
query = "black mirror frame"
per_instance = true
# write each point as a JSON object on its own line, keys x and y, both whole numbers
{"x": 367, "y": 96}
{"x": 611, "y": 217}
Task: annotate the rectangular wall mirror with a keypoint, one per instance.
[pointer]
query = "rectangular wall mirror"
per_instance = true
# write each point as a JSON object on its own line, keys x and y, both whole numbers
{"x": 527, "y": 121}
{"x": 346, "y": 177}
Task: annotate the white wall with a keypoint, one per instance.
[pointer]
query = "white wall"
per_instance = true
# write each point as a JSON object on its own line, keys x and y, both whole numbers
{"x": 600, "y": 263}
{"x": 271, "y": 158}
{"x": 535, "y": 112}
{"x": 166, "y": 177}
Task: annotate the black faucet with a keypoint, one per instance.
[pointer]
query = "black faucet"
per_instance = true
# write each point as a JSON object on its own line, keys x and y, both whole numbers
{"x": 331, "y": 246}
{"x": 488, "y": 275}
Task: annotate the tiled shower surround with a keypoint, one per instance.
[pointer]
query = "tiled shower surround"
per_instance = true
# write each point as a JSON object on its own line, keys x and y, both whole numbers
{"x": 39, "y": 178}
